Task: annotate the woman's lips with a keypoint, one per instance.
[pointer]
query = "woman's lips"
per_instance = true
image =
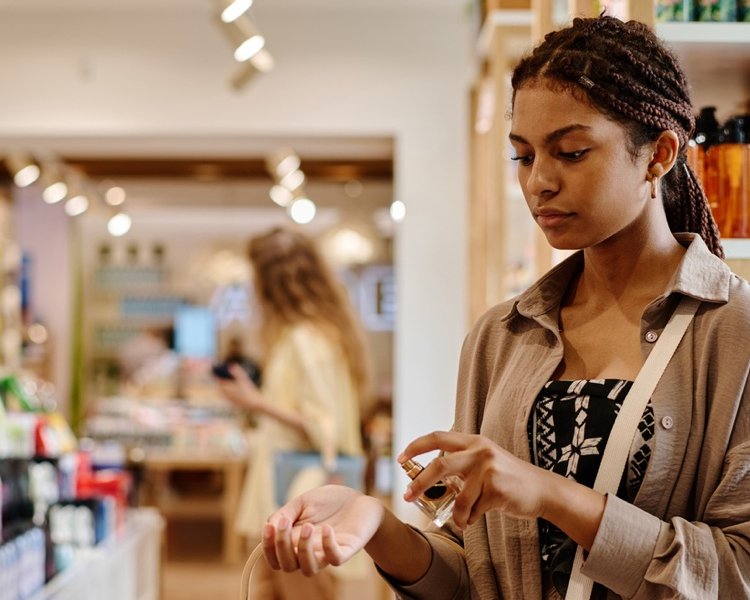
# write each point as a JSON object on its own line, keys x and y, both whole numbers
{"x": 551, "y": 218}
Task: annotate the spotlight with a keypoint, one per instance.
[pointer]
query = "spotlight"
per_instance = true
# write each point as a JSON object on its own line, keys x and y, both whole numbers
{"x": 115, "y": 195}
{"x": 302, "y": 210}
{"x": 77, "y": 205}
{"x": 281, "y": 196}
{"x": 398, "y": 211}
{"x": 244, "y": 37}
{"x": 55, "y": 192}
{"x": 233, "y": 9}
{"x": 23, "y": 169}
{"x": 293, "y": 180}
{"x": 119, "y": 224}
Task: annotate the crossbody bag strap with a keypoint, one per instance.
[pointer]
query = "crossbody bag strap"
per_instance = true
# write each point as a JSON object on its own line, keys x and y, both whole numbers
{"x": 620, "y": 439}
{"x": 247, "y": 571}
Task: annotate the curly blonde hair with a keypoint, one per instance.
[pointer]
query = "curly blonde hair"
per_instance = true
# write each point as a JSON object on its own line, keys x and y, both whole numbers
{"x": 294, "y": 285}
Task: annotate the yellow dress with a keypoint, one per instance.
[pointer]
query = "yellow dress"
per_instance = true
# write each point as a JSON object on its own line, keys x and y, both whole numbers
{"x": 305, "y": 373}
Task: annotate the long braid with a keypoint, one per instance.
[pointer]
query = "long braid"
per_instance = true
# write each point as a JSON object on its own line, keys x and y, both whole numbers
{"x": 629, "y": 75}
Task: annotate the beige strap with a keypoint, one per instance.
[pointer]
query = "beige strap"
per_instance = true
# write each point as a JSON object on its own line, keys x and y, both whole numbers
{"x": 247, "y": 572}
{"x": 620, "y": 439}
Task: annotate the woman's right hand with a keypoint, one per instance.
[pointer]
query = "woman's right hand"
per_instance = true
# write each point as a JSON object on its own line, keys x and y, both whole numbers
{"x": 325, "y": 526}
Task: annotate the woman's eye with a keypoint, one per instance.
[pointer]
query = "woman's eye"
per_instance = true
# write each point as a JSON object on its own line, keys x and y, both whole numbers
{"x": 577, "y": 155}
{"x": 524, "y": 160}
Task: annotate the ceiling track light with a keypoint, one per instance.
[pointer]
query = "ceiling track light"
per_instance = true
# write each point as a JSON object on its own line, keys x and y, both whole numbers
{"x": 246, "y": 41}
{"x": 231, "y": 10}
{"x": 244, "y": 37}
{"x": 77, "y": 204}
{"x": 54, "y": 184}
{"x": 23, "y": 169}
{"x": 119, "y": 224}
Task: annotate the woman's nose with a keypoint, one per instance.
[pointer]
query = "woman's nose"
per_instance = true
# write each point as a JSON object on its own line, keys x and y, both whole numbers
{"x": 541, "y": 179}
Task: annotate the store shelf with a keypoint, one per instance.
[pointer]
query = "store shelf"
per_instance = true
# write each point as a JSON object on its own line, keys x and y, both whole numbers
{"x": 124, "y": 568}
{"x": 736, "y": 249}
{"x": 716, "y": 59}
{"x": 705, "y": 34}
{"x": 507, "y": 21}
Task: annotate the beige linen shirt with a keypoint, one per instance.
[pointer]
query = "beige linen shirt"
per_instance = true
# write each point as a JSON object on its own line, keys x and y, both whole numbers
{"x": 306, "y": 373}
{"x": 688, "y": 533}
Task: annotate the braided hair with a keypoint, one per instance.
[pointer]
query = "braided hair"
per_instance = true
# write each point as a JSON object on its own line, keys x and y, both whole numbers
{"x": 624, "y": 70}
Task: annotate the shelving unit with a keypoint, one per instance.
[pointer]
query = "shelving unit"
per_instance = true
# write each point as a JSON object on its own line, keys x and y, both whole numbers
{"x": 736, "y": 249}
{"x": 125, "y": 568}
{"x": 716, "y": 58}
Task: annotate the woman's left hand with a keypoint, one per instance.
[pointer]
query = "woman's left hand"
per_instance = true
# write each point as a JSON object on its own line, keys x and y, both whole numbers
{"x": 241, "y": 391}
{"x": 492, "y": 477}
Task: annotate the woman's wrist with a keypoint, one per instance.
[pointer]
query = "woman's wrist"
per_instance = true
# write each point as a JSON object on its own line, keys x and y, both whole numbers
{"x": 398, "y": 550}
{"x": 576, "y": 509}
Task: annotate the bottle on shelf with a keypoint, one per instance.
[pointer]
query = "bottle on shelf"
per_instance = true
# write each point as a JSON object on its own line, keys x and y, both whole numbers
{"x": 733, "y": 159}
{"x": 716, "y": 10}
{"x": 707, "y": 133}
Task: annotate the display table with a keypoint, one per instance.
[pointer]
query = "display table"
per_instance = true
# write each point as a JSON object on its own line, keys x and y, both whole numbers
{"x": 126, "y": 567}
{"x": 157, "y": 467}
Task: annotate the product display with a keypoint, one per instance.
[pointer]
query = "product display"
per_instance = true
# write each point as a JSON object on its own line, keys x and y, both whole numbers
{"x": 720, "y": 156}
{"x": 701, "y": 10}
{"x": 56, "y": 503}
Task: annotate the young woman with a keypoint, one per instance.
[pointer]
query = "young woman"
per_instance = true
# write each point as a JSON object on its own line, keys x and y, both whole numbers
{"x": 314, "y": 379}
{"x": 600, "y": 125}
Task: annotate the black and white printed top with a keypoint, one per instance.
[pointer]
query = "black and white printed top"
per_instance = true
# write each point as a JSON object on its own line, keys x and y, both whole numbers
{"x": 568, "y": 431}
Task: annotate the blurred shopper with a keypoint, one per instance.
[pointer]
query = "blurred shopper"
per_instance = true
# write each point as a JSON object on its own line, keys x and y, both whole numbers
{"x": 314, "y": 379}
{"x": 601, "y": 118}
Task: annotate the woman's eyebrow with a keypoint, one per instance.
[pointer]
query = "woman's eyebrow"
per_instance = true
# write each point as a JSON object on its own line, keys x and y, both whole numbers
{"x": 554, "y": 136}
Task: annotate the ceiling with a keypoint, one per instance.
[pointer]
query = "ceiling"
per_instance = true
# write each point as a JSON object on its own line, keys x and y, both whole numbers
{"x": 167, "y": 163}
{"x": 151, "y": 6}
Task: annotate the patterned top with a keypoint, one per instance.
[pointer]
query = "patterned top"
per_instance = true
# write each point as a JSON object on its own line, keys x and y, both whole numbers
{"x": 568, "y": 431}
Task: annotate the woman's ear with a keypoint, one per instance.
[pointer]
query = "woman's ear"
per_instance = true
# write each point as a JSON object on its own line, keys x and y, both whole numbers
{"x": 664, "y": 154}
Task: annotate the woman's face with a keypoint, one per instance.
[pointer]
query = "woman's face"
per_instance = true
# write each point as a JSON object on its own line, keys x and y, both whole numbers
{"x": 580, "y": 182}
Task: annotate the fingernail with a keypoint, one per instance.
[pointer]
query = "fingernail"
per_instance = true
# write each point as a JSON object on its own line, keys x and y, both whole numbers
{"x": 306, "y": 531}
{"x": 283, "y": 524}
{"x": 267, "y": 530}
{"x": 408, "y": 494}
{"x": 400, "y": 458}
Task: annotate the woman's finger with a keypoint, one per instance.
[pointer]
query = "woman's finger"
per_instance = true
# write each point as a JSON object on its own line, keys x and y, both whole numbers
{"x": 284, "y": 546}
{"x": 445, "y": 441}
{"x": 331, "y": 549}
{"x": 467, "y": 501}
{"x": 458, "y": 464}
{"x": 306, "y": 556}
{"x": 269, "y": 546}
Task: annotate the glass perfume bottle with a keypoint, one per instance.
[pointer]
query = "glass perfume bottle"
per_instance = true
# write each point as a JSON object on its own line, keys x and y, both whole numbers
{"x": 436, "y": 501}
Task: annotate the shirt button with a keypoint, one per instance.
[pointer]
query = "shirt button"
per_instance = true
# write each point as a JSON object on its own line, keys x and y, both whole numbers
{"x": 651, "y": 336}
{"x": 667, "y": 422}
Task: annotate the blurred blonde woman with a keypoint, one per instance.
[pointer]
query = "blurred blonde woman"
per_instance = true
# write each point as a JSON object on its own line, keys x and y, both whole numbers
{"x": 315, "y": 377}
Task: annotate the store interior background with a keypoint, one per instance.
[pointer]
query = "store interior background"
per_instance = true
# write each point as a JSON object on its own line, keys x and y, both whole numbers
{"x": 150, "y": 80}
{"x": 371, "y": 81}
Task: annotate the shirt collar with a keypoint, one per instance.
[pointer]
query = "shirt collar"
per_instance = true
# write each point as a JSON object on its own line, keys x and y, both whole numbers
{"x": 700, "y": 274}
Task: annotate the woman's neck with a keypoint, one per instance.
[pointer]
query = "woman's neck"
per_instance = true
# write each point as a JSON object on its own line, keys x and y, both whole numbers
{"x": 629, "y": 269}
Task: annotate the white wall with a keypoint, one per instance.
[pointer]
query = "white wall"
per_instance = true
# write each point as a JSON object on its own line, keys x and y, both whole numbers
{"x": 401, "y": 70}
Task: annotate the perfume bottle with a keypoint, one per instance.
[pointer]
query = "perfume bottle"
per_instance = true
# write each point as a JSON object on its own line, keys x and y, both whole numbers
{"x": 436, "y": 501}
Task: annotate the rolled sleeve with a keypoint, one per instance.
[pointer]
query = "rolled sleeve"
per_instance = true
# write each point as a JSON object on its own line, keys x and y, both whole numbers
{"x": 623, "y": 547}
{"x": 445, "y": 579}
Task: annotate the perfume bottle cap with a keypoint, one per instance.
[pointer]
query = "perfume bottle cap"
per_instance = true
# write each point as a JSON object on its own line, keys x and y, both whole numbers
{"x": 412, "y": 468}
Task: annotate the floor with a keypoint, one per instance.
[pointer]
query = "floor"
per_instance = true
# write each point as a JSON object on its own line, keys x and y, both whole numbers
{"x": 192, "y": 569}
